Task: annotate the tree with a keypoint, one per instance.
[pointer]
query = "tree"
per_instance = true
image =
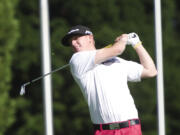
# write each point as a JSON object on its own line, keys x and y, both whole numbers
{"x": 8, "y": 37}
{"x": 171, "y": 57}
{"x": 107, "y": 19}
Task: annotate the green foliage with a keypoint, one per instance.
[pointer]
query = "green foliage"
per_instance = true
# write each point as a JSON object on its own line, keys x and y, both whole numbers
{"x": 8, "y": 37}
{"x": 20, "y": 58}
{"x": 171, "y": 65}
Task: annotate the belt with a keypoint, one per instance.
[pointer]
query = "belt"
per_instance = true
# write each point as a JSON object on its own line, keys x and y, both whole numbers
{"x": 114, "y": 126}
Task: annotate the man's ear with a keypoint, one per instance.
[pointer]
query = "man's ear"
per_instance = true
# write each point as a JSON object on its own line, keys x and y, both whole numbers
{"x": 91, "y": 36}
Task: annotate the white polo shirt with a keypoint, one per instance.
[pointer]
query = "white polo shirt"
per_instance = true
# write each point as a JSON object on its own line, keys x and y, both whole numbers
{"x": 105, "y": 87}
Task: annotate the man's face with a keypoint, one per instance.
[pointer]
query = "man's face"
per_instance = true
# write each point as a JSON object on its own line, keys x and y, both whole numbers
{"x": 79, "y": 39}
{"x": 81, "y": 42}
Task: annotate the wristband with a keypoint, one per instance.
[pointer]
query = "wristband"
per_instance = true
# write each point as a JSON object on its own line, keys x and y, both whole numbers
{"x": 138, "y": 44}
{"x": 108, "y": 46}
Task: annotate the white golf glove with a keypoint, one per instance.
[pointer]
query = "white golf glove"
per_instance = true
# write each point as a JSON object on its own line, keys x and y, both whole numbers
{"x": 133, "y": 39}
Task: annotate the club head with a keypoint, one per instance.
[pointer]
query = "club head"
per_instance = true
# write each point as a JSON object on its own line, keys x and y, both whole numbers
{"x": 22, "y": 92}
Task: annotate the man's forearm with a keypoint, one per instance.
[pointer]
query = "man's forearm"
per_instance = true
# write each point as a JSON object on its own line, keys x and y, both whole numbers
{"x": 146, "y": 61}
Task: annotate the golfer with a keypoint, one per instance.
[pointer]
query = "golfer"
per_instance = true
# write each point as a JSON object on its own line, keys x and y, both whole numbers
{"x": 102, "y": 78}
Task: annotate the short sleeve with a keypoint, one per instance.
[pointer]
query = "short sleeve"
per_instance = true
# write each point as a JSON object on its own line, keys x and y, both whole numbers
{"x": 134, "y": 71}
{"x": 82, "y": 62}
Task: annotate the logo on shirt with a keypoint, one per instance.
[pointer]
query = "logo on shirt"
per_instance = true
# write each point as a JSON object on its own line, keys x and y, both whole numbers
{"x": 110, "y": 61}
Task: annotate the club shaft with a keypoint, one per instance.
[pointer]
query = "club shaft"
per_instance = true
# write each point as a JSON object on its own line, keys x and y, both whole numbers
{"x": 40, "y": 77}
{"x": 62, "y": 67}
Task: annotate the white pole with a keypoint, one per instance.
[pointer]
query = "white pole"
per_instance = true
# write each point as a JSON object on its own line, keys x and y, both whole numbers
{"x": 159, "y": 60}
{"x": 46, "y": 67}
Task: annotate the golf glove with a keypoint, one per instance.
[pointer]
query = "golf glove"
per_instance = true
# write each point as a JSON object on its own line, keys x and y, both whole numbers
{"x": 133, "y": 39}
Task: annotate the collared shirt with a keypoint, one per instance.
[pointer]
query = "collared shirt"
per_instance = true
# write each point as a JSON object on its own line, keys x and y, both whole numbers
{"x": 105, "y": 87}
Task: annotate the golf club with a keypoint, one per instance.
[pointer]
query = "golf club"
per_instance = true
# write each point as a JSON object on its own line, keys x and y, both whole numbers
{"x": 22, "y": 91}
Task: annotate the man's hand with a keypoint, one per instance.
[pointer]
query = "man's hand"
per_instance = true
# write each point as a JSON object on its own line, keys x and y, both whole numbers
{"x": 116, "y": 49}
{"x": 133, "y": 39}
{"x": 122, "y": 38}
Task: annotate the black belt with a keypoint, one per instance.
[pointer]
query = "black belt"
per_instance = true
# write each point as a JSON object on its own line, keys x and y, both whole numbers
{"x": 114, "y": 126}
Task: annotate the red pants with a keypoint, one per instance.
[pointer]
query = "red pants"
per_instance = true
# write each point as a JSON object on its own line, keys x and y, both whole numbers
{"x": 131, "y": 130}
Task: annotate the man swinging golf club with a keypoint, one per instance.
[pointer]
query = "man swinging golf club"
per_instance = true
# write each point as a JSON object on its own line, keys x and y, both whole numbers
{"x": 103, "y": 77}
